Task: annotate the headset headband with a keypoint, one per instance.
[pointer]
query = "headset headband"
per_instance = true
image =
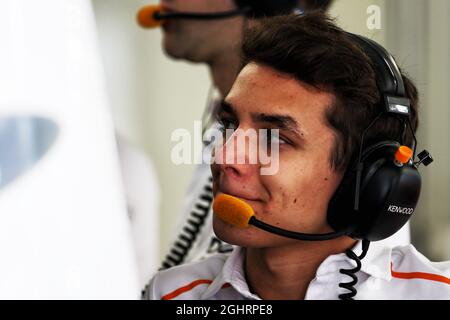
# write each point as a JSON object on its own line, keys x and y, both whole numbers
{"x": 261, "y": 8}
{"x": 389, "y": 78}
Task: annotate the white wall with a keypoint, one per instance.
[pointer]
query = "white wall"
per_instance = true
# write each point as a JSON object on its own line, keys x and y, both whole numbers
{"x": 64, "y": 232}
{"x": 151, "y": 96}
{"x": 420, "y": 38}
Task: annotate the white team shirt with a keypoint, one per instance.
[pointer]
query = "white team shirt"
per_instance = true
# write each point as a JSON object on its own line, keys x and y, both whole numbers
{"x": 386, "y": 273}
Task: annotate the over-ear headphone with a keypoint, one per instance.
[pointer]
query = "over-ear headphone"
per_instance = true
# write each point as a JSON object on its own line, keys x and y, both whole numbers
{"x": 260, "y": 8}
{"x": 381, "y": 187}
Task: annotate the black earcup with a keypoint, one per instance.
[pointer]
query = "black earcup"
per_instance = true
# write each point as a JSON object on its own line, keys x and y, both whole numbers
{"x": 388, "y": 195}
{"x": 261, "y": 8}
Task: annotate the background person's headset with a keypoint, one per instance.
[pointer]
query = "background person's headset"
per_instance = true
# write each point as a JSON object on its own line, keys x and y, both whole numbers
{"x": 267, "y": 8}
{"x": 152, "y": 16}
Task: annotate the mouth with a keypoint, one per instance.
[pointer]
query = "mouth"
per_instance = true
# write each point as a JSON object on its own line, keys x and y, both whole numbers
{"x": 237, "y": 193}
{"x": 166, "y": 8}
{"x": 166, "y": 22}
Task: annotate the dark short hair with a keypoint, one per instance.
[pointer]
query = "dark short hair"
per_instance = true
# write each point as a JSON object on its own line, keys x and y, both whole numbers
{"x": 313, "y": 50}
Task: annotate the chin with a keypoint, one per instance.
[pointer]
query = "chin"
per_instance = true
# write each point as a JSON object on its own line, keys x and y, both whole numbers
{"x": 232, "y": 235}
{"x": 244, "y": 237}
{"x": 172, "y": 50}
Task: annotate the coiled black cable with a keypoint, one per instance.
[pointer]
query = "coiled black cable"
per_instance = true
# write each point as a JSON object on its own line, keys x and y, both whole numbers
{"x": 182, "y": 246}
{"x": 352, "y": 272}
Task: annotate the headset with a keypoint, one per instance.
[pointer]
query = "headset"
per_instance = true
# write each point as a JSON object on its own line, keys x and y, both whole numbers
{"x": 380, "y": 189}
{"x": 152, "y": 16}
{"x": 261, "y": 8}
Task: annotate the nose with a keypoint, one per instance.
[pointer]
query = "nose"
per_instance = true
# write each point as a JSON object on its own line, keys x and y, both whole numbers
{"x": 238, "y": 155}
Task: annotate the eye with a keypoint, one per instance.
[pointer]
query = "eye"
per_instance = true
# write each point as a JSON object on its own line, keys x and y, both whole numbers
{"x": 273, "y": 137}
{"x": 227, "y": 123}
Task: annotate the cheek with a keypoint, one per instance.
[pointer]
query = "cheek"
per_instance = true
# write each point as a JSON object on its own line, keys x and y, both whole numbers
{"x": 304, "y": 184}
{"x": 192, "y": 5}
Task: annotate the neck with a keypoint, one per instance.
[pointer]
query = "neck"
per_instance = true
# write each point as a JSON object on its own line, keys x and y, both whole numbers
{"x": 224, "y": 70}
{"x": 285, "y": 272}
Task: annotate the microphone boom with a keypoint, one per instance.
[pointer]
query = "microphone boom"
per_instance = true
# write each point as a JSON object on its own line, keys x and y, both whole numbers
{"x": 239, "y": 213}
{"x": 153, "y": 16}
{"x": 295, "y": 235}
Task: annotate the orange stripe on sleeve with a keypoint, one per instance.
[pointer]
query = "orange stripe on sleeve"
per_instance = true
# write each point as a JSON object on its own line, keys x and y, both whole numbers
{"x": 420, "y": 275}
{"x": 184, "y": 289}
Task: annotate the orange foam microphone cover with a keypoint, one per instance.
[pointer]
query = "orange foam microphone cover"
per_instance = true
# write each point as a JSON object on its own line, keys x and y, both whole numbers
{"x": 403, "y": 154}
{"x": 145, "y": 16}
{"x": 232, "y": 210}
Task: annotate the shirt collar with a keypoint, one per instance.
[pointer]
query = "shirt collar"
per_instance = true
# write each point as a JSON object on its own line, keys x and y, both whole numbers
{"x": 377, "y": 263}
{"x": 233, "y": 273}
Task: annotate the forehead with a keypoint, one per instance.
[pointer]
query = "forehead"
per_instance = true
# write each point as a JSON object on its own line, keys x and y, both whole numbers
{"x": 259, "y": 88}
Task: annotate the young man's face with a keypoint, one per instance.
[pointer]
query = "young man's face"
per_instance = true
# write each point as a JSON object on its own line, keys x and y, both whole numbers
{"x": 200, "y": 40}
{"x": 296, "y": 197}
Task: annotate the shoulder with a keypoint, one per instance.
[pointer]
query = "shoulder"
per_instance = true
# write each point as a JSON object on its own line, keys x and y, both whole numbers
{"x": 187, "y": 281}
{"x": 411, "y": 269}
{"x": 408, "y": 258}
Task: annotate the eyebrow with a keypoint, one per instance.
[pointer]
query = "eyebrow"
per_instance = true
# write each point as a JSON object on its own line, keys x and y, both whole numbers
{"x": 225, "y": 107}
{"x": 279, "y": 121}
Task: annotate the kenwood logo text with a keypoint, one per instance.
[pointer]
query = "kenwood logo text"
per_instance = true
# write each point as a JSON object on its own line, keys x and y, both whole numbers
{"x": 402, "y": 210}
